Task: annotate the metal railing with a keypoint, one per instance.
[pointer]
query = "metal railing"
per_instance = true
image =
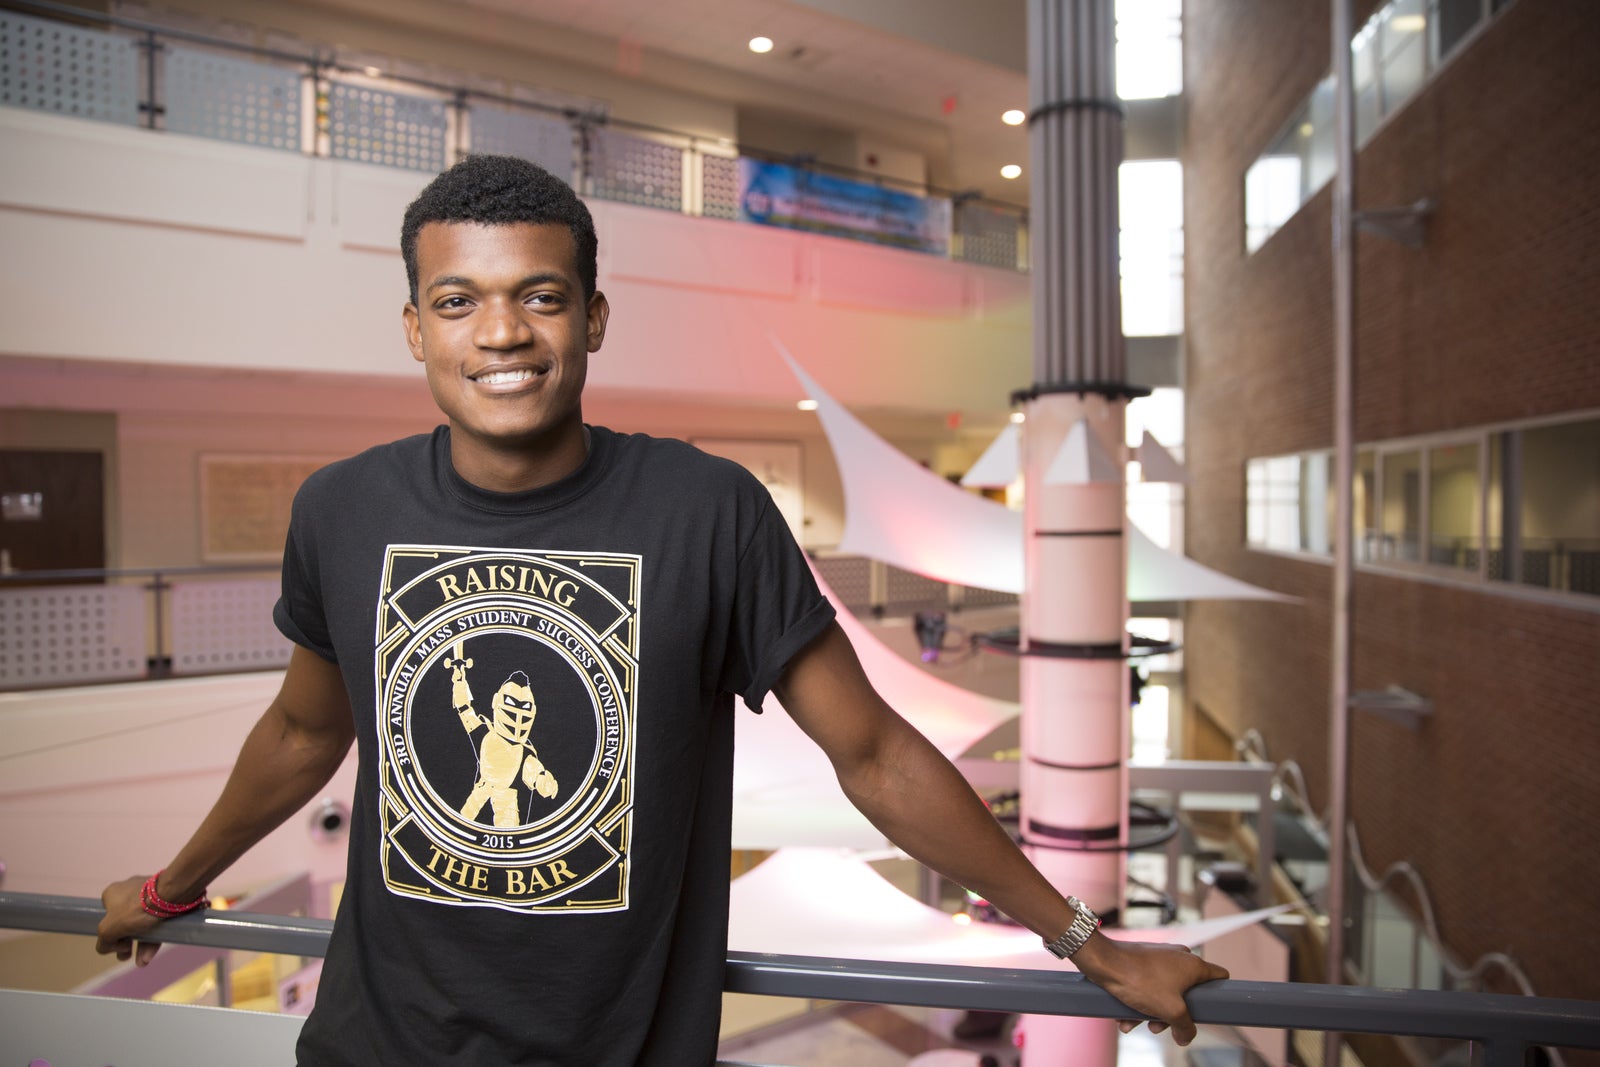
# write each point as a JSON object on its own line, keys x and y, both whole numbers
{"x": 1503, "y": 1026}
{"x": 71, "y": 627}
{"x": 326, "y": 104}
{"x": 1425, "y": 940}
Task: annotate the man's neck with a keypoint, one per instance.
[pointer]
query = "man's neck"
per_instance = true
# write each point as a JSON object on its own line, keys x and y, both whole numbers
{"x": 517, "y": 470}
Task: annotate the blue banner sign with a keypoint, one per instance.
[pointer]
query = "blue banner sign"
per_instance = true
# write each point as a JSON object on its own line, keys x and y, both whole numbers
{"x": 775, "y": 194}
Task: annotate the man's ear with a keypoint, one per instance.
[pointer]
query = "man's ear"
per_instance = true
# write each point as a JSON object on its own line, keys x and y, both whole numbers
{"x": 599, "y": 310}
{"x": 413, "y": 327}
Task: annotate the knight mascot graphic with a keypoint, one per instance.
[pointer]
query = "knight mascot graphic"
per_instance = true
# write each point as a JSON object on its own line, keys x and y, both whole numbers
{"x": 505, "y": 746}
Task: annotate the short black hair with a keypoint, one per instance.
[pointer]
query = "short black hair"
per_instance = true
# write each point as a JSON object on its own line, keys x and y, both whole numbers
{"x": 501, "y": 191}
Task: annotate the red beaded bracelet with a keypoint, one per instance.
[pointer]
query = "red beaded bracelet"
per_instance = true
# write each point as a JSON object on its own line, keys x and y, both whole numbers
{"x": 152, "y": 903}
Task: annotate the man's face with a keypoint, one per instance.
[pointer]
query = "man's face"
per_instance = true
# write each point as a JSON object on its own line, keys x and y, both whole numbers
{"x": 502, "y": 327}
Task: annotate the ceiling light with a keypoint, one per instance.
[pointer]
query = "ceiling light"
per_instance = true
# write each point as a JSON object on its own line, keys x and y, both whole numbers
{"x": 761, "y": 45}
{"x": 807, "y": 405}
{"x": 1011, "y": 170}
{"x": 1014, "y": 117}
{"x": 1408, "y": 23}
{"x": 1019, "y": 416}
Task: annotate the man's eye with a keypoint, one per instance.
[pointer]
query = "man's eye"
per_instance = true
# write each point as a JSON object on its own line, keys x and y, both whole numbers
{"x": 453, "y": 303}
{"x": 544, "y": 299}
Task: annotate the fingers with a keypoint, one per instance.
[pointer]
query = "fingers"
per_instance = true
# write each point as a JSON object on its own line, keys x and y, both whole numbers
{"x": 1183, "y": 1028}
{"x": 145, "y": 952}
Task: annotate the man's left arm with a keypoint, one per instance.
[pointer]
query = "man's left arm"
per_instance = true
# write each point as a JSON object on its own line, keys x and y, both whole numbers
{"x": 910, "y": 791}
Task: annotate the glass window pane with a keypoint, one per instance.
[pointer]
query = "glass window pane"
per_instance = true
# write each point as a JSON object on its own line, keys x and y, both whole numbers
{"x": 1401, "y": 22}
{"x": 1283, "y": 503}
{"x": 1319, "y": 149}
{"x": 1150, "y": 196}
{"x": 1271, "y": 196}
{"x": 1560, "y": 506}
{"x": 1403, "y": 70}
{"x": 1402, "y": 507}
{"x": 1454, "y": 502}
{"x": 1368, "y": 112}
{"x": 1272, "y": 503}
{"x": 1316, "y": 503}
{"x": 1363, "y": 56}
{"x": 1255, "y": 502}
{"x": 1364, "y": 508}
{"x": 1500, "y": 510}
{"x": 1149, "y": 48}
{"x": 1456, "y": 18}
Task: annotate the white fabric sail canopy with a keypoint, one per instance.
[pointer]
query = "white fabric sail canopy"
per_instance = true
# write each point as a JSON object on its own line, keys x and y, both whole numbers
{"x": 785, "y": 792}
{"x": 824, "y": 902}
{"x": 902, "y": 513}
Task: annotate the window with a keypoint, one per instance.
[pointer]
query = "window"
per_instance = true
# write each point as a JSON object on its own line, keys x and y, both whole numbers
{"x": 1150, "y": 199}
{"x": 1559, "y": 510}
{"x": 1400, "y": 523}
{"x": 1149, "y": 48}
{"x": 1402, "y": 51}
{"x": 1455, "y": 20}
{"x": 1455, "y": 502}
{"x": 1290, "y": 503}
{"x": 1364, "y": 509}
{"x": 1157, "y": 507}
{"x": 1392, "y": 56}
{"x": 1273, "y": 491}
{"x": 1509, "y": 504}
{"x": 1271, "y": 197}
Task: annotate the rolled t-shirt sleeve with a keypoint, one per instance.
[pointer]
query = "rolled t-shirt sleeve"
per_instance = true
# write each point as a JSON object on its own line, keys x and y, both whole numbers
{"x": 777, "y": 608}
{"x": 299, "y": 613}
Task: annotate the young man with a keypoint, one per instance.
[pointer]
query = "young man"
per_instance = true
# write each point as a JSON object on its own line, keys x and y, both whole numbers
{"x": 533, "y": 630}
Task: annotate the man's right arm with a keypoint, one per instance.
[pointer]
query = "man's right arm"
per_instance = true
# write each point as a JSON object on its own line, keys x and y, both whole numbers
{"x": 290, "y": 754}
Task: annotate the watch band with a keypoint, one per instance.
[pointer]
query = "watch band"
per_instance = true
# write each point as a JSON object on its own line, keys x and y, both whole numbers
{"x": 1084, "y": 923}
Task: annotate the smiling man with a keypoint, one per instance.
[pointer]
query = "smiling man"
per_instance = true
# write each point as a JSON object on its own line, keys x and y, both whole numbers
{"x": 631, "y": 588}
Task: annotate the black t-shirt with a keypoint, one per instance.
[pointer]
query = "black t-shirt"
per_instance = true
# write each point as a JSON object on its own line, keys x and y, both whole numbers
{"x": 543, "y": 689}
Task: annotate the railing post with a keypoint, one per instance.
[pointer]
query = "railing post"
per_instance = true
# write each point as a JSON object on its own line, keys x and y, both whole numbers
{"x": 160, "y": 663}
{"x": 151, "y": 109}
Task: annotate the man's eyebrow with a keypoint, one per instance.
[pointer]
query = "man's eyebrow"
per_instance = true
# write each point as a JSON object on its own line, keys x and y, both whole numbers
{"x": 545, "y": 277}
{"x": 549, "y": 277}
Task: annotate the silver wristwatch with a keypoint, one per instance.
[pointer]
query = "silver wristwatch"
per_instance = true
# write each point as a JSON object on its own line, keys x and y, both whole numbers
{"x": 1084, "y": 923}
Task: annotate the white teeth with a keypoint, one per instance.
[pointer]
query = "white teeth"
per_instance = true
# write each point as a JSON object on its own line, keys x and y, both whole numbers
{"x": 504, "y": 377}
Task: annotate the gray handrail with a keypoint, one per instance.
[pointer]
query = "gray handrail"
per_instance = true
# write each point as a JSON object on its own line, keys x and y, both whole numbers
{"x": 1505, "y": 1024}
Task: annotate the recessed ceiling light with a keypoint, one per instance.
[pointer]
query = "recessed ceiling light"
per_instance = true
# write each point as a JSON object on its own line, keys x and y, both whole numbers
{"x": 1014, "y": 117}
{"x": 1011, "y": 170}
{"x": 807, "y": 405}
{"x": 761, "y": 45}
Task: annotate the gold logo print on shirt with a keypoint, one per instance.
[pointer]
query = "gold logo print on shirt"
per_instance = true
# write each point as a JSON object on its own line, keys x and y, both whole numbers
{"x": 506, "y": 682}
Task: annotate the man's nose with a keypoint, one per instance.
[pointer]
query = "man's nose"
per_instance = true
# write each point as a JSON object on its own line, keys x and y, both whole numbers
{"x": 501, "y": 325}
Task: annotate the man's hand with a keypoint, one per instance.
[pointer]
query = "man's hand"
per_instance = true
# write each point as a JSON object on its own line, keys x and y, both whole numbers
{"x": 289, "y": 755}
{"x": 126, "y": 922}
{"x": 1149, "y": 978}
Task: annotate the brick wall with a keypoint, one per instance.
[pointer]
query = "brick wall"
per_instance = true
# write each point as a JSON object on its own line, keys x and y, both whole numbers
{"x": 1497, "y": 317}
